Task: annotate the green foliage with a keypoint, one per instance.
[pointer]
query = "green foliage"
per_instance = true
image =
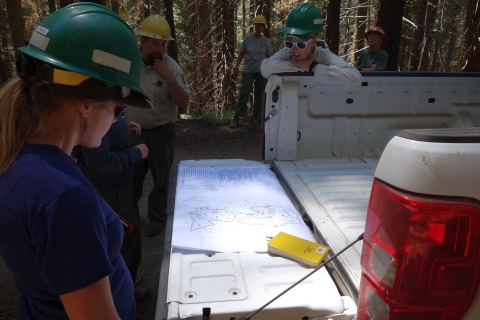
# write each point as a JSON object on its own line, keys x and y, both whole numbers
{"x": 214, "y": 117}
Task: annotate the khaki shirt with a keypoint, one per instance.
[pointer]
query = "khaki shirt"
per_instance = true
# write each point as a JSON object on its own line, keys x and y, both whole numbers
{"x": 164, "y": 111}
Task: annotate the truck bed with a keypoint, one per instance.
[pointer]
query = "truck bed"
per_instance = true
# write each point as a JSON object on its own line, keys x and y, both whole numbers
{"x": 333, "y": 194}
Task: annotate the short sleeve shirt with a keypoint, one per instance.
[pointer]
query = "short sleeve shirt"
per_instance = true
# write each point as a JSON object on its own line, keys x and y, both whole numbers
{"x": 367, "y": 58}
{"x": 57, "y": 235}
{"x": 256, "y": 49}
{"x": 164, "y": 110}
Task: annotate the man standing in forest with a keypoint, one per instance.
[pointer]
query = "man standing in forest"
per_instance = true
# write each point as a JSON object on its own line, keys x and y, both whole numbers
{"x": 164, "y": 81}
{"x": 373, "y": 58}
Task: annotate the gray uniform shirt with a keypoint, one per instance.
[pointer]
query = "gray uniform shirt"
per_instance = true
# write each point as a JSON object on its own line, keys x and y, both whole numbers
{"x": 255, "y": 49}
{"x": 164, "y": 110}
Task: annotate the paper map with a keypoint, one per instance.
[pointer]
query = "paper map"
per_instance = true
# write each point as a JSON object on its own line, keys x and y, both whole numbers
{"x": 230, "y": 209}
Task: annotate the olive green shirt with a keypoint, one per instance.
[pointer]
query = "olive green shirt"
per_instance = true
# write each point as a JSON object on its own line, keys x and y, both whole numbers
{"x": 164, "y": 111}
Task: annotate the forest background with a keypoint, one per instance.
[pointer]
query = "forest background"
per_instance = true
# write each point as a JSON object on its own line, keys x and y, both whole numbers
{"x": 422, "y": 35}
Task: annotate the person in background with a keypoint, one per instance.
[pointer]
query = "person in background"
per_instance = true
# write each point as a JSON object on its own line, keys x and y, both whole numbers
{"x": 109, "y": 168}
{"x": 373, "y": 58}
{"x": 58, "y": 238}
{"x": 163, "y": 79}
{"x": 301, "y": 54}
{"x": 255, "y": 47}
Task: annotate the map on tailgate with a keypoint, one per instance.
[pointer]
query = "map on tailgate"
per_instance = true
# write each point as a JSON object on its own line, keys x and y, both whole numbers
{"x": 231, "y": 209}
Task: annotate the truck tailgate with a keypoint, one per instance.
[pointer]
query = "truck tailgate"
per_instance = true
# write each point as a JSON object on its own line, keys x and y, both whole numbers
{"x": 333, "y": 193}
{"x": 233, "y": 284}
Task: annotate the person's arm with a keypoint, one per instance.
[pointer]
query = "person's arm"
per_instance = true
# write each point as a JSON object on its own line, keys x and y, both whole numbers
{"x": 269, "y": 51}
{"x": 103, "y": 161}
{"x": 179, "y": 96}
{"x": 278, "y": 63}
{"x": 237, "y": 63}
{"x": 381, "y": 62}
{"x": 333, "y": 69}
{"x": 92, "y": 302}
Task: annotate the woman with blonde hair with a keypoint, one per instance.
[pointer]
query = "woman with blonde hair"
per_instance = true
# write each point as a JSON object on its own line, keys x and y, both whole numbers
{"x": 59, "y": 239}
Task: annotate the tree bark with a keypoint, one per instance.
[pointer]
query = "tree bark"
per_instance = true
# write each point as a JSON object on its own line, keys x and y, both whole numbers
{"x": 405, "y": 43}
{"x": 202, "y": 72}
{"x": 332, "y": 27}
{"x": 264, "y": 9}
{"x": 64, "y": 3}
{"x": 389, "y": 17}
{"x": 469, "y": 57}
{"x": 172, "y": 45}
{"x": 51, "y": 6}
{"x": 418, "y": 39}
{"x": 15, "y": 19}
{"x": 428, "y": 36}
{"x": 115, "y": 6}
{"x": 359, "y": 37}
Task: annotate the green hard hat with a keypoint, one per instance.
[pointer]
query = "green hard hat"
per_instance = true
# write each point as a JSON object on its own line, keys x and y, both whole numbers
{"x": 303, "y": 19}
{"x": 87, "y": 43}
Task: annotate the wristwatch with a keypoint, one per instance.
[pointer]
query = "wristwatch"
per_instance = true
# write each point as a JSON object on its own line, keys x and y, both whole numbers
{"x": 313, "y": 64}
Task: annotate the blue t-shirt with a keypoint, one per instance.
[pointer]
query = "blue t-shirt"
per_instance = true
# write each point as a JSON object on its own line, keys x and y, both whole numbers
{"x": 57, "y": 235}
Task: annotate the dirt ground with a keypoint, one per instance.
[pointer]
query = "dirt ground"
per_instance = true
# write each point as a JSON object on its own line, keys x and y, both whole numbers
{"x": 194, "y": 141}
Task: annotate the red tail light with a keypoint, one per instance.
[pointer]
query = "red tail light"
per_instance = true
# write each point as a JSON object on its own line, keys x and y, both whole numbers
{"x": 420, "y": 257}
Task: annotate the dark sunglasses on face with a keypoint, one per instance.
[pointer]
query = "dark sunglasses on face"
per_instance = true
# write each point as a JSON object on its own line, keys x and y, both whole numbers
{"x": 259, "y": 26}
{"x": 299, "y": 45}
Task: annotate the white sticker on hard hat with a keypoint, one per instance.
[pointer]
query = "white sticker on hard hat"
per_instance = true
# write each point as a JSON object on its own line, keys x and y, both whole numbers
{"x": 39, "y": 40}
{"x": 110, "y": 60}
{"x": 42, "y": 30}
{"x": 318, "y": 21}
{"x": 126, "y": 92}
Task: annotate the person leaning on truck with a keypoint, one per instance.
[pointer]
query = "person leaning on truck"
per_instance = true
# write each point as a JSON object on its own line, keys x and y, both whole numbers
{"x": 255, "y": 47}
{"x": 304, "y": 23}
{"x": 164, "y": 81}
{"x": 58, "y": 238}
{"x": 373, "y": 58}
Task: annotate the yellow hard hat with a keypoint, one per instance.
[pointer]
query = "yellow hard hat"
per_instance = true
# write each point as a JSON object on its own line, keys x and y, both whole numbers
{"x": 155, "y": 26}
{"x": 260, "y": 19}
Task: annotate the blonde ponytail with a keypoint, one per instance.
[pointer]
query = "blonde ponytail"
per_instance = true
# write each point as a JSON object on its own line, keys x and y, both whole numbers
{"x": 20, "y": 117}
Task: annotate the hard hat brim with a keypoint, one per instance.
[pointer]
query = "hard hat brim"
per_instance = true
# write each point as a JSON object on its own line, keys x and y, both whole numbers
{"x": 297, "y": 31}
{"x": 152, "y": 35}
{"x": 377, "y": 32}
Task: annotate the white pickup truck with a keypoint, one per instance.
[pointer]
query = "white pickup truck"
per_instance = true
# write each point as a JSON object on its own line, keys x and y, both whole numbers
{"x": 397, "y": 158}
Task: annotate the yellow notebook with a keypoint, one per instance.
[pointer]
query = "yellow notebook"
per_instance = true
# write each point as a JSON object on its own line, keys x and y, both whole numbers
{"x": 297, "y": 249}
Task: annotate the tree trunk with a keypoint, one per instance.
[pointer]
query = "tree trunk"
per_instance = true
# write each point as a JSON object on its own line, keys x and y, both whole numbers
{"x": 469, "y": 57}
{"x": 225, "y": 40}
{"x": 264, "y": 9}
{"x": 202, "y": 71}
{"x": 404, "y": 54}
{"x": 15, "y": 19}
{"x": 115, "y": 6}
{"x": 389, "y": 17}
{"x": 5, "y": 69}
{"x": 64, "y": 3}
{"x": 51, "y": 6}
{"x": 418, "y": 39}
{"x": 359, "y": 37}
{"x": 172, "y": 45}
{"x": 244, "y": 19}
{"x": 429, "y": 27}
{"x": 332, "y": 27}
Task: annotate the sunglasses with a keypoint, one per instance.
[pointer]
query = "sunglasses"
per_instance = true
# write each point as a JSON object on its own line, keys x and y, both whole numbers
{"x": 259, "y": 26}
{"x": 119, "y": 109}
{"x": 299, "y": 45}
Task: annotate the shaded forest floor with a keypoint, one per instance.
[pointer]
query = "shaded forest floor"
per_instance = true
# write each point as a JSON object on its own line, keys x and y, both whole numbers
{"x": 194, "y": 141}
